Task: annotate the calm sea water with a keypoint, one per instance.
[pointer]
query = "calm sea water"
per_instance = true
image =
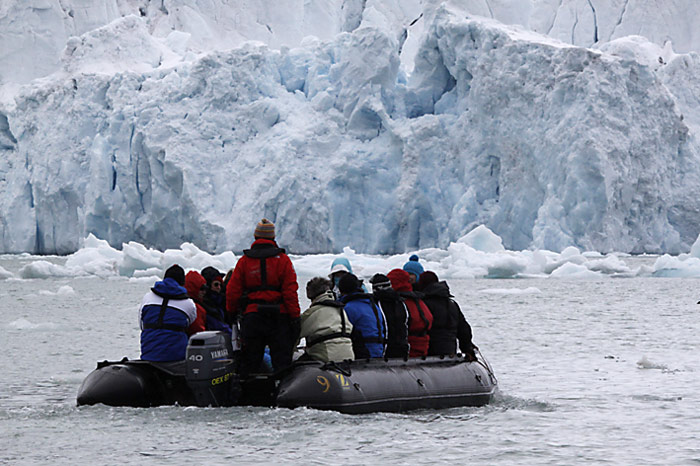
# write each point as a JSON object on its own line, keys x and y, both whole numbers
{"x": 589, "y": 372}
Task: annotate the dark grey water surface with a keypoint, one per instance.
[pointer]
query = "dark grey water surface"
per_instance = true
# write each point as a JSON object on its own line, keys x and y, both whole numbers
{"x": 590, "y": 372}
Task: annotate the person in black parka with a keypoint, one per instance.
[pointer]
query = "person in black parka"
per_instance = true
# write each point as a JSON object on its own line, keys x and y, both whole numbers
{"x": 396, "y": 316}
{"x": 449, "y": 324}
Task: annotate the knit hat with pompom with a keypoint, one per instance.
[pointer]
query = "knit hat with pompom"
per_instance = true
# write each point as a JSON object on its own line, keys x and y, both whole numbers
{"x": 265, "y": 229}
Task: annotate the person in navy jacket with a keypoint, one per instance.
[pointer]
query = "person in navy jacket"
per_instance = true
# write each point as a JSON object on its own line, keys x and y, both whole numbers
{"x": 214, "y": 300}
{"x": 368, "y": 323}
{"x": 167, "y": 316}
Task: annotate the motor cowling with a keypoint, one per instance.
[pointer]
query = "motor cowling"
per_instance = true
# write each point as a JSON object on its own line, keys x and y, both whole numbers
{"x": 210, "y": 369}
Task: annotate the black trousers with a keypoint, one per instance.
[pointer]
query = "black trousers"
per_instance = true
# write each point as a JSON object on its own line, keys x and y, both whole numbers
{"x": 265, "y": 328}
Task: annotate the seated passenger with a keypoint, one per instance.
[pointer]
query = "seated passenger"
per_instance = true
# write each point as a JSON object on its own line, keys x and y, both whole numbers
{"x": 193, "y": 284}
{"x": 396, "y": 314}
{"x": 414, "y": 269}
{"x": 339, "y": 267}
{"x": 449, "y": 324}
{"x": 325, "y": 325}
{"x": 369, "y": 327}
{"x": 214, "y": 300}
{"x": 419, "y": 317}
{"x": 166, "y": 318}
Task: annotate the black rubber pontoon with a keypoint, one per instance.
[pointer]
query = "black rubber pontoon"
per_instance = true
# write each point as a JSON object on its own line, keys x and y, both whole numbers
{"x": 393, "y": 386}
{"x": 207, "y": 378}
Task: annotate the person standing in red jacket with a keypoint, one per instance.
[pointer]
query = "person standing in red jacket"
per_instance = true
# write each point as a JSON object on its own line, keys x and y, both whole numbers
{"x": 263, "y": 292}
{"x": 420, "y": 319}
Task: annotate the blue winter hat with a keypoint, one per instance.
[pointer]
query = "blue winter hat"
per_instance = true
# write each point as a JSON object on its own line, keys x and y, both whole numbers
{"x": 413, "y": 266}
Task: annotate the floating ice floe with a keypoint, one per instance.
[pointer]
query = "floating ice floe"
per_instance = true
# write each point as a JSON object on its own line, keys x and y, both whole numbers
{"x": 64, "y": 290}
{"x": 681, "y": 266}
{"x": 5, "y": 274}
{"x": 645, "y": 363}
{"x": 24, "y": 324}
{"x": 479, "y": 254}
{"x": 98, "y": 258}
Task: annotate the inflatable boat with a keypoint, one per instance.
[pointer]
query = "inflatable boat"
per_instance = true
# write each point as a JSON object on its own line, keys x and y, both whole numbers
{"x": 207, "y": 378}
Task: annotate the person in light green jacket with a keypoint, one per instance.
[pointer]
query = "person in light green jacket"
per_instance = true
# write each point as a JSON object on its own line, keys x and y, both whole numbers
{"x": 325, "y": 324}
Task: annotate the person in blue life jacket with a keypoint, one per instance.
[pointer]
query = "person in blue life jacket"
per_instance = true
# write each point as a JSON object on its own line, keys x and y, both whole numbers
{"x": 369, "y": 330}
{"x": 166, "y": 318}
{"x": 414, "y": 269}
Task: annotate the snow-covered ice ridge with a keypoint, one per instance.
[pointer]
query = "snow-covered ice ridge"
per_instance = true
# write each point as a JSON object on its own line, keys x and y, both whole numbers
{"x": 478, "y": 254}
{"x": 402, "y": 126}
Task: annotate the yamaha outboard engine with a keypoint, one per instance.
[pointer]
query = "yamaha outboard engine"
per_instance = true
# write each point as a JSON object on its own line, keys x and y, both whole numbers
{"x": 210, "y": 369}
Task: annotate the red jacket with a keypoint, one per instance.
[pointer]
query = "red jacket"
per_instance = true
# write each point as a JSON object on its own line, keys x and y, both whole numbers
{"x": 247, "y": 280}
{"x": 193, "y": 283}
{"x": 420, "y": 319}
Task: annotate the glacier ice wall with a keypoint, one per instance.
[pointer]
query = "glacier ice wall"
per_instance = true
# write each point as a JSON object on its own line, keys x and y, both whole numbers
{"x": 566, "y": 145}
{"x": 547, "y": 144}
{"x": 33, "y": 33}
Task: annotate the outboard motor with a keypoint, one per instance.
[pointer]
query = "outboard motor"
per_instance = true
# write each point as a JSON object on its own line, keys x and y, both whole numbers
{"x": 209, "y": 369}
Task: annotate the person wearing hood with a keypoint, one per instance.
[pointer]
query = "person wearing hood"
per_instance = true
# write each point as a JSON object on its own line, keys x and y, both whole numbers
{"x": 166, "y": 317}
{"x": 214, "y": 300}
{"x": 325, "y": 325}
{"x": 194, "y": 283}
{"x": 369, "y": 325}
{"x": 339, "y": 267}
{"x": 263, "y": 291}
{"x": 414, "y": 268}
{"x": 396, "y": 314}
{"x": 449, "y": 324}
{"x": 420, "y": 319}
{"x": 210, "y": 317}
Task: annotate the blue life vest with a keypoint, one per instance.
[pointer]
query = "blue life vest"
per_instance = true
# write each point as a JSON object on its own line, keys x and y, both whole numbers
{"x": 367, "y": 318}
{"x": 164, "y": 322}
